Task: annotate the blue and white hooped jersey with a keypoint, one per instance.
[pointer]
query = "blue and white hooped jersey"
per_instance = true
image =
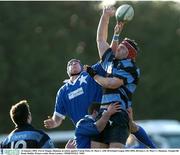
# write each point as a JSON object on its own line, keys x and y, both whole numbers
{"x": 124, "y": 69}
{"x": 73, "y": 99}
{"x": 27, "y": 137}
{"x": 85, "y": 129}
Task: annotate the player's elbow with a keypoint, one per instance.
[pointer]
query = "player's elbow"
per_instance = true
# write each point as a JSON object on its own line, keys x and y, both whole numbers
{"x": 112, "y": 86}
{"x": 100, "y": 40}
{"x": 100, "y": 127}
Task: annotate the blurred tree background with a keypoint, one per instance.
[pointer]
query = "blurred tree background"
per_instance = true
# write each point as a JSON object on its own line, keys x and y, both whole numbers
{"x": 38, "y": 38}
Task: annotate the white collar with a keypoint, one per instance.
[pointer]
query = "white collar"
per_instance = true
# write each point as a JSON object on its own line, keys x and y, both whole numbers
{"x": 72, "y": 82}
{"x": 90, "y": 117}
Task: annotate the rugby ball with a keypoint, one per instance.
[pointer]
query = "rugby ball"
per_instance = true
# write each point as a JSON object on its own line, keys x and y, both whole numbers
{"x": 124, "y": 13}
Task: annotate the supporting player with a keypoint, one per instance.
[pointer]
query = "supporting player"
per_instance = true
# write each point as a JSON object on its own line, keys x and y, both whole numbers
{"x": 88, "y": 126}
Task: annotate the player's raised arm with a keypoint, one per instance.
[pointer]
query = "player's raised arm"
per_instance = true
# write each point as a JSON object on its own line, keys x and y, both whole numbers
{"x": 102, "y": 30}
{"x": 115, "y": 39}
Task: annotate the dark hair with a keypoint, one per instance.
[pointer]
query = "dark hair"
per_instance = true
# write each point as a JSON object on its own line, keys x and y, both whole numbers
{"x": 19, "y": 112}
{"x": 92, "y": 107}
{"x": 133, "y": 44}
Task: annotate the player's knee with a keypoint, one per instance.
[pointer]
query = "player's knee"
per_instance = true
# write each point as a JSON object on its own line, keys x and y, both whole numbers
{"x": 116, "y": 145}
{"x": 133, "y": 127}
{"x": 95, "y": 144}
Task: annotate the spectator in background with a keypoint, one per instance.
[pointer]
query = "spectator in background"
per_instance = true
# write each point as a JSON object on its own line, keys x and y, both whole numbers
{"x": 25, "y": 135}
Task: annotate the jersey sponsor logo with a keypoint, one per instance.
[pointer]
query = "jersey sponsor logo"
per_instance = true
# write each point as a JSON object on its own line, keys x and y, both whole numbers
{"x": 76, "y": 93}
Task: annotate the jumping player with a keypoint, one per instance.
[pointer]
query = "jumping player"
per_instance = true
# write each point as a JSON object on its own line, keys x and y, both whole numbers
{"x": 119, "y": 63}
{"x": 76, "y": 95}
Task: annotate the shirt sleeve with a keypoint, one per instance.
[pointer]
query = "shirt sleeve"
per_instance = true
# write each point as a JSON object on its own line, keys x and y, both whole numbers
{"x": 99, "y": 69}
{"x": 4, "y": 143}
{"x": 107, "y": 54}
{"x": 59, "y": 105}
{"x": 48, "y": 144}
{"x": 107, "y": 59}
{"x": 86, "y": 128}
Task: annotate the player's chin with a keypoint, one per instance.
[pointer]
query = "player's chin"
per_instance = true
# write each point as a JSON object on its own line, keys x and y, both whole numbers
{"x": 76, "y": 72}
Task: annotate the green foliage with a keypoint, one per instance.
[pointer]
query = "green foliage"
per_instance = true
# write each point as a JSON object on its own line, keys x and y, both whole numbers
{"x": 38, "y": 38}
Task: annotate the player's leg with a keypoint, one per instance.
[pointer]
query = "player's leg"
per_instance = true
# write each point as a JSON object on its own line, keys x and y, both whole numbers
{"x": 116, "y": 145}
{"x": 132, "y": 125}
{"x": 95, "y": 144}
{"x": 118, "y": 131}
{"x": 138, "y": 131}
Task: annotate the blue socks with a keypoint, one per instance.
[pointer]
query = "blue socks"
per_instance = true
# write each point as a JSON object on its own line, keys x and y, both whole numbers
{"x": 142, "y": 136}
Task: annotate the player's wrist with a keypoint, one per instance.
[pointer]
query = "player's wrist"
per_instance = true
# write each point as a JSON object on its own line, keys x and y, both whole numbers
{"x": 116, "y": 37}
{"x": 105, "y": 18}
{"x": 91, "y": 71}
{"x": 107, "y": 114}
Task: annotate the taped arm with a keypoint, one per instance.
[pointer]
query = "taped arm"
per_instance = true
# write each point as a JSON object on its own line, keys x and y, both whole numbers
{"x": 115, "y": 40}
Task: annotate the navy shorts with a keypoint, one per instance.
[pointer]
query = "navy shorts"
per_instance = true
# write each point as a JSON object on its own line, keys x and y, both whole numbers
{"x": 117, "y": 129}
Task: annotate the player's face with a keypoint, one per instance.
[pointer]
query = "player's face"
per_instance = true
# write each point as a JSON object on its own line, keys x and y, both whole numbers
{"x": 121, "y": 52}
{"x": 74, "y": 67}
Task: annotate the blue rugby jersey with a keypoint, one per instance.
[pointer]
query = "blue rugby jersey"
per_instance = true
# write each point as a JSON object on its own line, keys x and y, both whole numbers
{"x": 124, "y": 69}
{"x": 85, "y": 129}
{"x": 27, "y": 137}
{"x": 73, "y": 99}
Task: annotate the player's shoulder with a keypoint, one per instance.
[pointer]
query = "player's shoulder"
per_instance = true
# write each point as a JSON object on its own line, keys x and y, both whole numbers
{"x": 62, "y": 89}
{"x": 42, "y": 132}
{"x": 87, "y": 119}
{"x": 84, "y": 73}
{"x": 83, "y": 120}
{"x": 107, "y": 53}
{"x": 95, "y": 65}
{"x": 127, "y": 63}
{"x": 44, "y": 140}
